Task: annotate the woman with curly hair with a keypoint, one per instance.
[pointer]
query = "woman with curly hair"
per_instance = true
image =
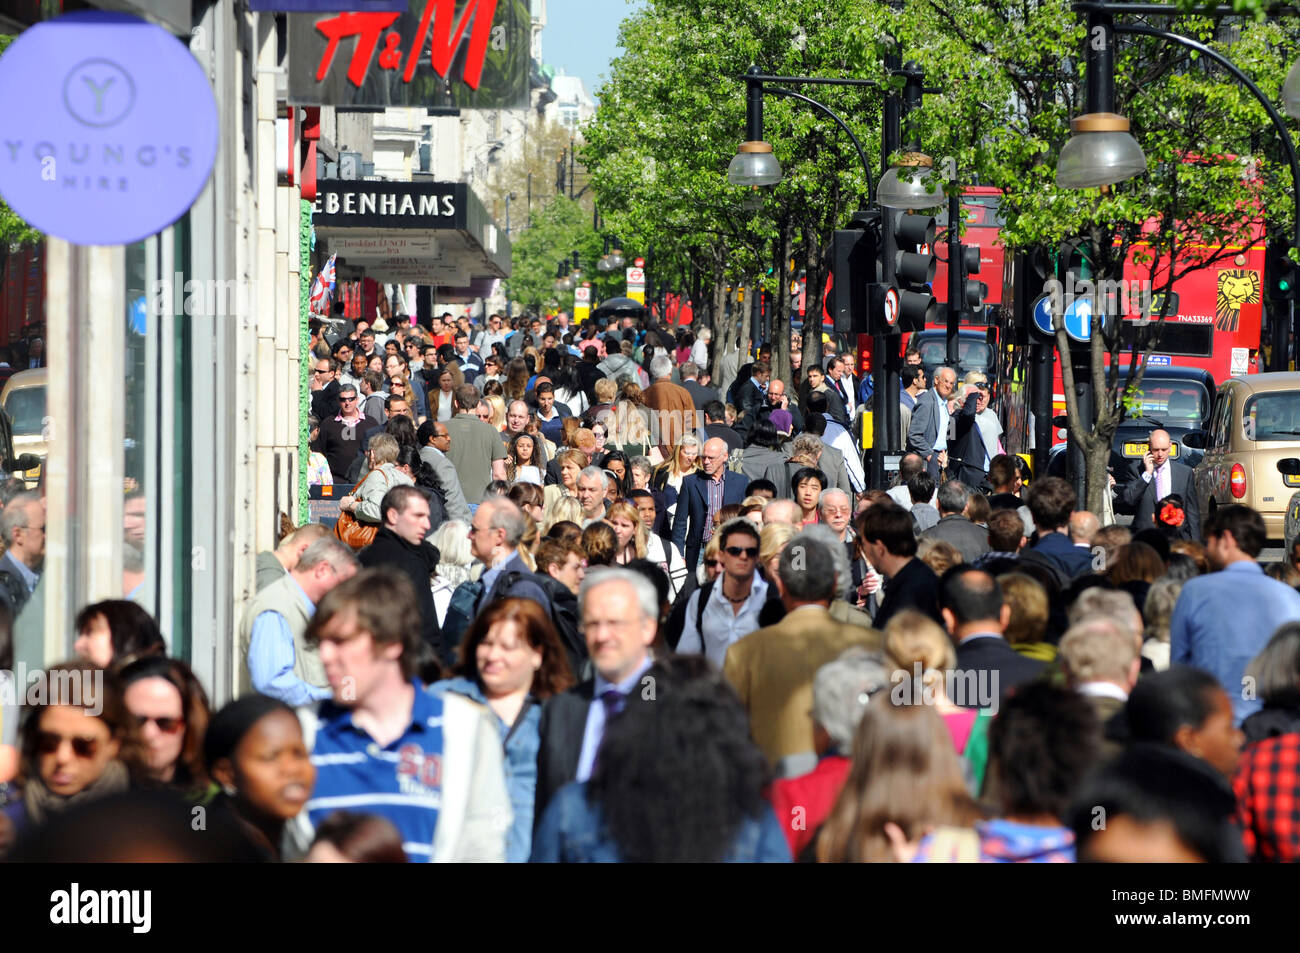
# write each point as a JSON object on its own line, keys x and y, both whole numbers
{"x": 511, "y": 661}
{"x": 629, "y": 425}
{"x": 678, "y": 780}
{"x": 523, "y": 459}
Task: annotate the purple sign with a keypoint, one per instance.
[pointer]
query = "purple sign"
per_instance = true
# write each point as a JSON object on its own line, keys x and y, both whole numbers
{"x": 328, "y": 6}
{"x": 108, "y": 128}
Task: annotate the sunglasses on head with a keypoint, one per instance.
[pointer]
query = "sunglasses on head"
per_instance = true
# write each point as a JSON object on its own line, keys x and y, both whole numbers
{"x": 168, "y": 726}
{"x": 47, "y": 742}
{"x": 750, "y": 551}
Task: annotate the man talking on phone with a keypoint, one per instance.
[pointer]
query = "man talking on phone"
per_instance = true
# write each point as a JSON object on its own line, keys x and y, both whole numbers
{"x": 1156, "y": 477}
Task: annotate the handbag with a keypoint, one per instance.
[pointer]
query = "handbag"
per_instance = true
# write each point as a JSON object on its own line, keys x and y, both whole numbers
{"x": 352, "y": 532}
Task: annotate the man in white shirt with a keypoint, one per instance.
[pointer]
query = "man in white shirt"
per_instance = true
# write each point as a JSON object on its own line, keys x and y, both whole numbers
{"x": 909, "y": 466}
{"x": 733, "y": 600}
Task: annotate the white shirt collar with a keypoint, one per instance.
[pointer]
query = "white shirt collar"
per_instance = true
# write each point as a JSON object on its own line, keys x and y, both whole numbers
{"x": 1103, "y": 690}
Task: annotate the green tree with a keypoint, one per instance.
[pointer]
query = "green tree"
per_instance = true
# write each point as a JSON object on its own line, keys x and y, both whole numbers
{"x": 1012, "y": 76}
{"x": 13, "y": 230}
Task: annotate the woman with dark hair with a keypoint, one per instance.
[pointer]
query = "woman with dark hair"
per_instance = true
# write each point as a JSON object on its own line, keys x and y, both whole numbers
{"x": 676, "y": 780}
{"x": 1170, "y": 518}
{"x": 68, "y": 754}
{"x": 171, "y": 711}
{"x": 347, "y": 838}
{"x": 529, "y": 498}
{"x": 440, "y": 399}
{"x": 524, "y": 459}
{"x": 402, "y": 429}
{"x": 568, "y": 390}
{"x": 1276, "y": 674}
{"x": 255, "y": 750}
{"x": 512, "y": 661}
{"x": 1185, "y": 708}
{"x": 762, "y": 458}
{"x": 115, "y": 633}
{"x": 615, "y": 462}
{"x": 517, "y": 375}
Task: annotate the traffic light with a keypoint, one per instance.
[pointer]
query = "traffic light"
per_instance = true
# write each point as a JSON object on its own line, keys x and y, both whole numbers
{"x": 853, "y": 269}
{"x": 973, "y": 292}
{"x": 909, "y": 264}
{"x": 1281, "y": 272}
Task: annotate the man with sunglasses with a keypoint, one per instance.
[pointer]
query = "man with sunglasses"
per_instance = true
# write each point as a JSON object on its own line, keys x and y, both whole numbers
{"x": 343, "y": 436}
{"x": 726, "y": 610}
{"x": 492, "y": 334}
{"x": 278, "y": 661}
{"x": 324, "y": 388}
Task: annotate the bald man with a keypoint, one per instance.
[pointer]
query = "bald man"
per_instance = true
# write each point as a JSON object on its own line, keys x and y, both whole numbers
{"x": 1154, "y": 478}
{"x": 700, "y": 498}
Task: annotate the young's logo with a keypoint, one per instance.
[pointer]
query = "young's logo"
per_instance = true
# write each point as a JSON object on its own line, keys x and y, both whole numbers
{"x": 101, "y": 151}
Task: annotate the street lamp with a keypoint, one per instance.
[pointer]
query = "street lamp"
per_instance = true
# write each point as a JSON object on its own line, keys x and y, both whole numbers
{"x": 754, "y": 164}
{"x": 1101, "y": 150}
{"x": 910, "y": 184}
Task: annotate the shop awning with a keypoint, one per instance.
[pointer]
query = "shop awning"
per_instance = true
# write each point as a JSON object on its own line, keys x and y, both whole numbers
{"x": 425, "y": 233}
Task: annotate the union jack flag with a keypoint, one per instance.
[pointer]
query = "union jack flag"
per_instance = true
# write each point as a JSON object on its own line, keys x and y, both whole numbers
{"x": 322, "y": 289}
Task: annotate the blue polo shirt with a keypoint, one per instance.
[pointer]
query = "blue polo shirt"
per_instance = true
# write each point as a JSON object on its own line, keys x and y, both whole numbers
{"x": 401, "y": 781}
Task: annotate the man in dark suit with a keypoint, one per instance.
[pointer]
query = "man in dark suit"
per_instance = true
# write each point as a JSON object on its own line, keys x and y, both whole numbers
{"x": 715, "y": 425}
{"x": 701, "y": 496}
{"x": 753, "y": 393}
{"x": 839, "y": 377}
{"x": 1154, "y": 477}
{"x": 699, "y": 393}
{"x": 927, "y": 434}
{"x": 620, "y": 611}
{"x": 976, "y": 615}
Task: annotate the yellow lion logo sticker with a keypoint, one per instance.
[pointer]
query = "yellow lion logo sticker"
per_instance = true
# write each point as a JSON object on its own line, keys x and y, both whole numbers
{"x": 1237, "y": 286}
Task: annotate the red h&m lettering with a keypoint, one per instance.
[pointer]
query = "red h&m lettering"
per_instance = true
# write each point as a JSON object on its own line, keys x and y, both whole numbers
{"x": 367, "y": 28}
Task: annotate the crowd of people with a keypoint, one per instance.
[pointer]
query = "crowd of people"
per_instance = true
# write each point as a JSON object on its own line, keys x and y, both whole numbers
{"x": 586, "y": 602}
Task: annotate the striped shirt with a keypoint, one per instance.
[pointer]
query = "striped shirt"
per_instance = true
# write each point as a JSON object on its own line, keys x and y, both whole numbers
{"x": 713, "y": 490}
{"x": 401, "y": 781}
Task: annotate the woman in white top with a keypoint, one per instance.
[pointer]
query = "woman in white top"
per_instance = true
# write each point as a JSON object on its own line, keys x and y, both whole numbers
{"x": 440, "y": 399}
{"x": 455, "y": 565}
{"x": 523, "y": 460}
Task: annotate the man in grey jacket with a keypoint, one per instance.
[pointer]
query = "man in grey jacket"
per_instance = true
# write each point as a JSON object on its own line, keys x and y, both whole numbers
{"x": 953, "y": 527}
{"x": 434, "y": 441}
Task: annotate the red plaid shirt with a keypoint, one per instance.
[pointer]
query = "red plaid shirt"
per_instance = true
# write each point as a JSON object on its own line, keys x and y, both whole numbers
{"x": 1267, "y": 785}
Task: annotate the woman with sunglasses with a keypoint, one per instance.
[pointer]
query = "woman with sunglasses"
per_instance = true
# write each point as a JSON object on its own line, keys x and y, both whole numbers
{"x": 70, "y": 756}
{"x": 171, "y": 711}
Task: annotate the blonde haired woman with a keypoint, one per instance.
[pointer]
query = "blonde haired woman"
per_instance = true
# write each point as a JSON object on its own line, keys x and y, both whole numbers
{"x": 772, "y": 539}
{"x": 628, "y": 428}
{"x": 563, "y": 509}
{"x": 498, "y": 418}
{"x": 631, "y": 533}
{"x": 571, "y": 462}
{"x": 668, "y": 476}
{"x": 363, "y": 502}
{"x": 923, "y": 659}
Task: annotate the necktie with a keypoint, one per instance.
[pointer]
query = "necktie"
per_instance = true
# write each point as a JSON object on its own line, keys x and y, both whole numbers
{"x": 613, "y": 700}
{"x": 1162, "y": 482}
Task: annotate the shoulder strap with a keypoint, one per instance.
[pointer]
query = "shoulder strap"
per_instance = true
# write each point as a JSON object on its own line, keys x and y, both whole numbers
{"x": 704, "y": 590}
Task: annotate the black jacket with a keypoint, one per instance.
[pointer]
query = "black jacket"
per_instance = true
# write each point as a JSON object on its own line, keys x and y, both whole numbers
{"x": 994, "y": 655}
{"x": 915, "y": 586}
{"x": 419, "y": 563}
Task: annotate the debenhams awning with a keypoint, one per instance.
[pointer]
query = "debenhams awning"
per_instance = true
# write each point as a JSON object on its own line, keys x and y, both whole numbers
{"x": 425, "y": 233}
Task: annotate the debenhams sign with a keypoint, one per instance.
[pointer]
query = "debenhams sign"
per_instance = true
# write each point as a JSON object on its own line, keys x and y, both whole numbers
{"x": 416, "y": 205}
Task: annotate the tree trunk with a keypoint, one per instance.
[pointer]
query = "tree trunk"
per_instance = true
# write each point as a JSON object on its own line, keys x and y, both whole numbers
{"x": 721, "y": 321}
{"x": 781, "y": 308}
{"x": 814, "y": 289}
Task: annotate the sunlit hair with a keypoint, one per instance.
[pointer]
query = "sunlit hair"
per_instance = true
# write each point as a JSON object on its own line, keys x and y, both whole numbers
{"x": 498, "y": 405}
{"x": 535, "y": 628}
{"x": 912, "y": 638}
{"x": 600, "y": 543}
{"x": 905, "y": 771}
{"x": 384, "y": 605}
{"x": 625, "y": 510}
{"x": 772, "y": 539}
{"x": 677, "y": 465}
{"x": 563, "y": 509}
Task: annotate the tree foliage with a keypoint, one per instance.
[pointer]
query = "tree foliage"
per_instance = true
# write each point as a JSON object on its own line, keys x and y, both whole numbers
{"x": 13, "y": 230}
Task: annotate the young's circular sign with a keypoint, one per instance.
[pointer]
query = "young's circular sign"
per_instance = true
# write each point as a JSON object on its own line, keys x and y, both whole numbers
{"x": 109, "y": 128}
